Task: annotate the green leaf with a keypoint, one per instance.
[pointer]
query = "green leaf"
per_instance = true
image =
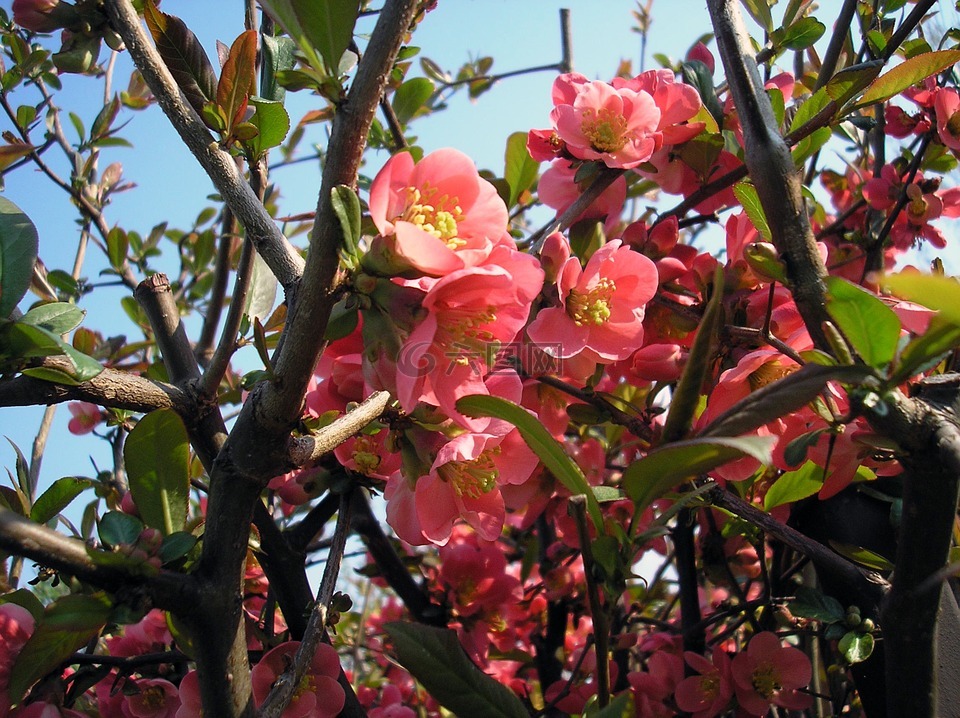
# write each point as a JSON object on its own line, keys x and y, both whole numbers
{"x": 116, "y": 528}
{"x": 649, "y": 478}
{"x": 344, "y": 318}
{"x": 686, "y": 396}
{"x": 262, "y": 294}
{"x": 759, "y": 10}
{"x": 66, "y": 626}
{"x": 25, "y": 599}
{"x": 18, "y": 253}
{"x": 156, "y": 454}
{"x": 519, "y": 168}
{"x": 272, "y": 123}
{"x": 238, "y": 79}
{"x": 810, "y": 109}
{"x": 851, "y": 80}
{"x": 326, "y": 27}
{"x": 927, "y": 350}
{"x": 868, "y": 324}
{"x": 908, "y": 73}
{"x": 781, "y": 397}
{"x": 56, "y": 498}
{"x": 436, "y": 659}
{"x": 794, "y": 485}
{"x": 811, "y": 603}
{"x": 346, "y": 205}
{"x": 278, "y": 56}
{"x": 183, "y": 55}
{"x": 118, "y": 244}
{"x": 747, "y": 195}
{"x": 933, "y": 291}
{"x": 619, "y": 707}
{"x": 803, "y": 33}
{"x": 411, "y": 96}
{"x": 862, "y": 556}
{"x": 176, "y": 545}
{"x": 56, "y": 317}
{"x": 855, "y": 646}
{"x": 25, "y": 341}
{"x": 540, "y": 441}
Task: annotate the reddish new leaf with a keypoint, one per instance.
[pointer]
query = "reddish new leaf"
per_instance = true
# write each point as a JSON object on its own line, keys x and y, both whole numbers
{"x": 238, "y": 79}
{"x": 183, "y": 55}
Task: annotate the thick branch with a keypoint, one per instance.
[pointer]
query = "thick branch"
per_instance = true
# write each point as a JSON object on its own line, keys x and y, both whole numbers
{"x": 277, "y": 252}
{"x": 772, "y": 169}
{"x": 110, "y": 388}
{"x": 870, "y": 586}
{"x": 20, "y": 536}
{"x": 931, "y": 440}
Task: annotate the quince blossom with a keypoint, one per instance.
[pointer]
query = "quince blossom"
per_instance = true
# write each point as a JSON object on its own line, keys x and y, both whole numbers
{"x": 601, "y": 306}
{"x": 318, "y": 695}
{"x": 437, "y": 215}
{"x": 597, "y": 121}
{"x": 769, "y": 674}
{"x": 470, "y": 314}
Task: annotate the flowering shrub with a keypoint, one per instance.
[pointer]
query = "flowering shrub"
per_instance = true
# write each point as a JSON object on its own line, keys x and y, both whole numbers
{"x": 688, "y": 448}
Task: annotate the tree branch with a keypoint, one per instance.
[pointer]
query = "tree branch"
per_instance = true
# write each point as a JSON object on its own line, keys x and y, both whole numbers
{"x": 282, "y": 258}
{"x": 772, "y": 169}
{"x": 307, "y": 449}
{"x": 19, "y": 536}
{"x": 110, "y": 388}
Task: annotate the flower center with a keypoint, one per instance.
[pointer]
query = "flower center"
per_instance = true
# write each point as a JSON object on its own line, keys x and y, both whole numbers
{"x": 153, "y": 698}
{"x": 463, "y": 338}
{"x": 767, "y": 374}
{"x": 766, "y": 680}
{"x": 953, "y": 124}
{"x": 365, "y": 455}
{"x": 606, "y": 130}
{"x": 592, "y": 307}
{"x": 710, "y": 686}
{"x": 435, "y": 215}
{"x": 471, "y": 478}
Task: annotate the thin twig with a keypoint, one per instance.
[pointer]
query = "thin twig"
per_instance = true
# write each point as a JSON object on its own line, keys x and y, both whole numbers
{"x": 286, "y": 684}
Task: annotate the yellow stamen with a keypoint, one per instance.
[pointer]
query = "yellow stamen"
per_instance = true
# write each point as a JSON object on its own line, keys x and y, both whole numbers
{"x": 606, "y": 130}
{"x": 471, "y": 478}
{"x": 592, "y": 307}
{"x": 438, "y": 216}
{"x": 766, "y": 680}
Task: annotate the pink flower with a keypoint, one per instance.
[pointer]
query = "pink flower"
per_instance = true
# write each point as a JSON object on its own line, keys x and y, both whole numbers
{"x": 600, "y": 122}
{"x": 34, "y": 15}
{"x": 707, "y": 694}
{"x": 86, "y": 417}
{"x": 558, "y": 189}
{"x": 438, "y": 215}
{"x": 16, "y": 627}
{"x": 769, "y": 674}
{"x": 318, "y": 695}
{"x": 601, "y": 306}
{"x": 464, "y": 482}
{"x": 470, "y": 314}
{"x": 190, "y": 704}
{"x": 677, "y": 102}
{"x": 152, "y": 698}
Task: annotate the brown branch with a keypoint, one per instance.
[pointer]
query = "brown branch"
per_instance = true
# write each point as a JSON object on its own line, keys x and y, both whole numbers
{"x": 286, "y": 684}
{"x": 772, "y": 169}
{"x": 604, "y": 178}
{"x": 110, "y": 388}
{"x": 218, "y": 292}
{"x": 282, "y": 258}
{"x": 20, "y": 536}
{"x": 868, "y": 585}
{"x": 307, "y": 449}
